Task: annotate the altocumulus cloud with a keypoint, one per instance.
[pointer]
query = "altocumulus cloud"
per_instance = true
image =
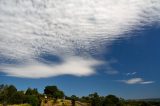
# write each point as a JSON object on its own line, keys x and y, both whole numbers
{"x": 30, "y": 28}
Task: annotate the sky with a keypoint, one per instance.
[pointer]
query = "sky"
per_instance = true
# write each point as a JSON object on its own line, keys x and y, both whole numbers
{"x": 82, "y": 46}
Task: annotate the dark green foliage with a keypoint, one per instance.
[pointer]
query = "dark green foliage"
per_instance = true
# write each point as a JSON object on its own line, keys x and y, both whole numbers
{"x": 31, "y": 99}
{"x": 111, "y": 100}
{"x": 17, "y": 98}
{"x": 10, "y": 95}
{"x": 6, "y": 92}
{"x": 50, "y": 90}
{"x": 54, "y": 92}
{"x": 95, "y": 99}
{"x": 31, "y": 91}
{"x": 59, "y": 94}
{"x": 74, "y": 97}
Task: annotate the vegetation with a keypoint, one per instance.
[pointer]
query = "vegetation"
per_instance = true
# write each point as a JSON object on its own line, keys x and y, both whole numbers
{"x": 54, "y": 92}
{"x": 52, "y": 96}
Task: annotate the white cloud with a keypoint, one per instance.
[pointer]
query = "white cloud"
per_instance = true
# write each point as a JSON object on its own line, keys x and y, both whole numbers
{"x": 132, "y": 73}
{"x": 72, "y": 66}
{"x": 30, "y": 28}
{"x": 136, "y": 81}
{"x": 147, "y": 82}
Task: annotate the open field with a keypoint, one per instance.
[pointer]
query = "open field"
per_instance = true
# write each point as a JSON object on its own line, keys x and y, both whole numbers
{"x": 59, "y": 102}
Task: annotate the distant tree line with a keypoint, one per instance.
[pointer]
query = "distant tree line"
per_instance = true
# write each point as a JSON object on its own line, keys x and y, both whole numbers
{"x": 111, "y": 100}
{"x": 10, "y": 95}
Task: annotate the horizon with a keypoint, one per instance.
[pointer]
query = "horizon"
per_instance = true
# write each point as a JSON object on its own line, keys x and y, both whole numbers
{"x": 108, "y": 47}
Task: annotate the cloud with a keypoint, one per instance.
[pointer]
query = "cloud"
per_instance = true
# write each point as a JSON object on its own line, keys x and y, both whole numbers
{"x": 72, "y": 66}
{"x": 130, "y": 74}
{"x": 30, "y": 28}
{"x": 136, "y": 81}
{"x": 67, "y": 28}
{"x": 147, "y": 82}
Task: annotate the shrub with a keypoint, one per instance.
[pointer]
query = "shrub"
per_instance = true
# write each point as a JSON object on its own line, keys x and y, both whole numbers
{"x": 33, "y": 100}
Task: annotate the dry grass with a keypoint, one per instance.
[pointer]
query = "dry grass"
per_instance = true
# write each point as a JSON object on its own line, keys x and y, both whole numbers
{"x": 50, "y": 102}
{"x": 61, "y": 102}
{"x": 17, "y": 105}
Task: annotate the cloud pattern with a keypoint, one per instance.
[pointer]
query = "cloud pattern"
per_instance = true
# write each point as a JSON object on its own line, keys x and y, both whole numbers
{"x": 67, "y": 28}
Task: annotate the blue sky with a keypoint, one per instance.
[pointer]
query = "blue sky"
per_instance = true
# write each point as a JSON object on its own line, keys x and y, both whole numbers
{"x": 138, "y": 54}
{"x": 110, "y": 48}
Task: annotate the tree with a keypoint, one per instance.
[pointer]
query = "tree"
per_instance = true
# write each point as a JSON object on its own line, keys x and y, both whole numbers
{"x": 53, "y": 91}
{"x": 17, "y": 98}
{"x": 85, "y": 99}
{"x": 31, "y": 91}
{"x": 31, "y": 99}
{"x": 6, "y": 92}
{"x": 59, "y": 94}
{"x": 33, "y": 94}
{"x": 50, "y": 90}
{"x": 10, "y": 90}
{"x": 74, "y": 98}
{"x": 111, "y": 100}
{"x": 95, "y": 99}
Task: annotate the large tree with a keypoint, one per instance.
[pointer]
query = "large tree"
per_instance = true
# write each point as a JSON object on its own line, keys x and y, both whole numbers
{"x": 53, "y": 91}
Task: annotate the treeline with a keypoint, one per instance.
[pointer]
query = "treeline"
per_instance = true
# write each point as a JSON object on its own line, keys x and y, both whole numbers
{"x": 10, "y": 95}
{"x": 111, "y": 100}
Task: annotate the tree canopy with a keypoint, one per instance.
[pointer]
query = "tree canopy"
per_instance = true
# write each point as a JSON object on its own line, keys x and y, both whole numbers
{"x": 53, "y": 91}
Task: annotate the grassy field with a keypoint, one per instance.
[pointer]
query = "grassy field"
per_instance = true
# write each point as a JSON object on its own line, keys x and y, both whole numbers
{"x": 59, "y": 102}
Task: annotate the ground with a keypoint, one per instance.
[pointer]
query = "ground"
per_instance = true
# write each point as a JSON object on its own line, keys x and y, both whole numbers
{"x": 59, "y": 102}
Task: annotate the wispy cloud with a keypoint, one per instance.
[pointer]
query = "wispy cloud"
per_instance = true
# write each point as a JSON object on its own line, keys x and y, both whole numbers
{"x": 131, "y": 73}
{"x": 66, "y": 28}
{"x": 136, "y": 81}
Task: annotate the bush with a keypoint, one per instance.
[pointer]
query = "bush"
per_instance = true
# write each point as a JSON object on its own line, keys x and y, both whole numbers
{"x": 17, "y": 98}
{"x": 111, "y": 100}
{"x": 32, "y": 100}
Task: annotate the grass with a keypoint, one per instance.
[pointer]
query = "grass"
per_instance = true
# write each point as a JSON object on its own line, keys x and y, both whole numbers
{"x": 17, "y": 105}
{"x": 61, "y": 102}
{"x": 51, "y": 102}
